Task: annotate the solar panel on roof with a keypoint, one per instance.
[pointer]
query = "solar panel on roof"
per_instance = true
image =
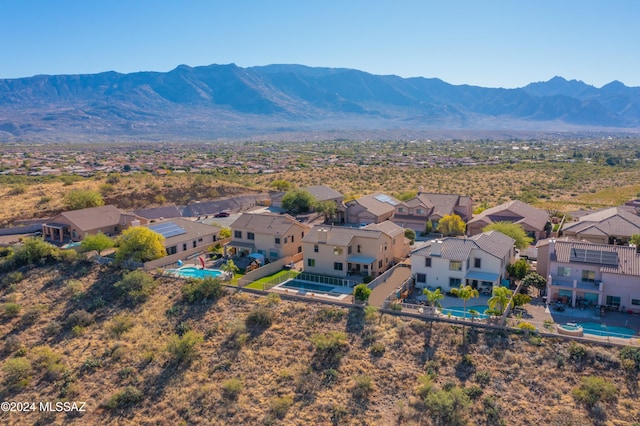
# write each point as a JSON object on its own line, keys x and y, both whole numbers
{"x": 385, "y": 199}
{"x": 167, "y": 229}
{"x": 600, "y": 257}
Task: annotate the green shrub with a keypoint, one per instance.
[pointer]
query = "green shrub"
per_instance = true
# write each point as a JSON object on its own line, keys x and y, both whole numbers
{"x": 526, "y": 326}
{"x": 184, "y": 348}
{"x": 120, "y": 324}
{"x": 473, "y": 392}
{"x": 370, "y": 313}
{"x": 361, "y": 292}
{"x": 377, "y": 349}
{"x": 483, "y": 377}
{"x": 91, "y": 364}
{"x": 362, "y": 386}
{"x": 80, "y": 318}
{"x": 11, "y": 309}
{"x": 126, "y": 397}
{"x": 17, "y": 370}
{"x": 448, "y": 407}
{"x": 280, "y": 405}
{"x": 34, "y": 250}
{"x": 593, "y": 390}
{"x": 330, "y": 342}
{"x": 632, "y": 354}
{"x": 12, "y": 278}
{"x": 577, "y": 352}
{"x": 195, "y": 290}
{"x": 136, "y": 286}
{"x": 425, "y": 385}
{"x": 12, "y": 343}
{"x": 231, "y": 388}
{"x": 261, "y": 317}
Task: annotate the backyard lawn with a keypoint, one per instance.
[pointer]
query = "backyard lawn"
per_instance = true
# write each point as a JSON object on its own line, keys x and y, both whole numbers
{"x": 283, "y": 274}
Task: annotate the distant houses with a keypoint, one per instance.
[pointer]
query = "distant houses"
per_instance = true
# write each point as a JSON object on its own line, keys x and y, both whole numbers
{"x": 372, "y": 208}
{"x": 610, "y": 226}
{"x": 430, "y": 208}
{"x": 535, "y": 221}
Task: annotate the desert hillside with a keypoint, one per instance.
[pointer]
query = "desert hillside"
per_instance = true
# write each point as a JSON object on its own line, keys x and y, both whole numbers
{"x": 152, "y": 351}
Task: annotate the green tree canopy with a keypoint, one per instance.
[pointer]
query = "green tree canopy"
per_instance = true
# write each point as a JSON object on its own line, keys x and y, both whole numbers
{"x": 519, "y": 269}
{"x": 533, "y": 279}
{"x": 140, "y": 244}
{"x": 635, "y": 240}
{"x": 97, "y": 242}
{"x": 281, "y": 185}
{"x": 361, "y": 292}
{"x": 433, "y": 296}
{"x": 77, "y": 199}
{"x": 501, "y": 299}
{"x": 513, "y": 230}
{"x": 451, "y": 225}
{"x": 465, "y": 292}
{"x": 297, "y": 201}
{"x": 328, "y": 209}
{"x": 410, "y": 234}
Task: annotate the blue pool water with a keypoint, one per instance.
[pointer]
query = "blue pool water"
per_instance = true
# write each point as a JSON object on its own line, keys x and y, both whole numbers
{"x": 607, "y": 330}
{"x": 193, "y": 272}
{"x": 304, "y": 285}
{"x": 458, "y": 311}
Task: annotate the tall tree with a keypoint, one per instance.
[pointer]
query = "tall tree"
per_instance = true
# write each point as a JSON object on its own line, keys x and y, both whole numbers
{"x": 328, "y": 209}
{"x": 297, "y": 201}
{"x": 513, "y": 230}
{"x": 500, "y": 299}
{"x": 140, "y": 244}
{"x": 465, "y": 292}
{"x": 97, "y": 242}
{"x": 451, "y": 225}
{"x": 433, "y": 296}
{"x": 519, "y": 269}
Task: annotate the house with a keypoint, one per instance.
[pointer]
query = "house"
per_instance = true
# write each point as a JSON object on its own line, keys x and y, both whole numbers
{"x": 535, "y": 221}
{"x": 272, "y": 235}
{"x": 588, "y": 274}
{"x": 342, "y": 251}
{"x": 74, "y": 225}
{"x": 319, "y": 192}
{"x": 372, "y": 208}
{"x": 430, "y": 207}
{"x": 183, "y": 235}
{"x": 610, "y": 226}
{"x": 479, "y": 261}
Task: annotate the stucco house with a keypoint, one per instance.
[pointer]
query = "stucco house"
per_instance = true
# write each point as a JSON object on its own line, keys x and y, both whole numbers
{"x": 74, "y": 225}
{"x": 479, "y": 261}
{"x": 273, "y": 235}
{"x": 535, "y": 221}
{"x": 183, "y": 235}
{"x": 431, "y": 207}
{"x": 341, "y": 251}
{"x": 588, "y": 275}
{"x": 372, "y": 208}
{"x": 610, "y": 226}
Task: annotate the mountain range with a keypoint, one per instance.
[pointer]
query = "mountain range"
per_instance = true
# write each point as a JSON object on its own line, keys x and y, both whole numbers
{"x": 226, "y": 102}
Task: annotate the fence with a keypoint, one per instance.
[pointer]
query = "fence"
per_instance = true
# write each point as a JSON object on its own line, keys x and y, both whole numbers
{"x": 268, "y": 285}
{"x": 383, "y": 278}
{"x": 26, "y": 229}
{"x": 321, "y": 279}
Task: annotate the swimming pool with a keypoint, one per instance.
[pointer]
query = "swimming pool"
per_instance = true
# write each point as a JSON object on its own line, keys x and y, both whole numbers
{"x": 193, "y": 272}
{"x": 458, "y": 311}
{"x": 607, "y": 330}
{"x": 307, "y": 286}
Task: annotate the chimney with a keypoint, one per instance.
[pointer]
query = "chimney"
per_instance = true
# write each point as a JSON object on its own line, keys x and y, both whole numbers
{"x": 322, "y": 235}
{"x": 436, "y": 248}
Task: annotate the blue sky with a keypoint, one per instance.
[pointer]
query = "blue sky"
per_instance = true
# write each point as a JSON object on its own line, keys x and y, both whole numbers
{"x": 490, "y": 43}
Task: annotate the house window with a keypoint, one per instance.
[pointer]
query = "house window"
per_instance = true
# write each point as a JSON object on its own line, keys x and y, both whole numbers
{"x": 427, "y": 262}
{"x": 315, "y": 248}
{"x": 454, "y": 282}
{"x": 358, "y": 248}
{"x": 311, "y": 262}
{"x": 337, "y": 266}
{"x": 400, "y": 209}
{"x": 277, "y": 240}
{"x": 299, "y": 249}
{"x": 199, "y": 240}
{"x": 251, "y": 236}
{"x": 477, "y": 262}
{"x": 420, "y": 211}
{"x": 613, "y": 301}
{"x": 379, "y": 263}
{"x": 184, "y": 246}
{"x": 237, "y": 234}
{"x": 564, "y": 272}
{"x": 455, "y": 265}
{"x": 195, "y": 244}
{"x": 302, "y": 235}
{"x": 273, "y": 254}
{"x": 588, "y": 276}
{"x": 349, "y": 250}
{"x": 292, "y": 240}
{"x": 172, "y": 250}
{"x": 635, "y": 302}
{"x": 214, "y": 238}
{"x": 421, "y": 278}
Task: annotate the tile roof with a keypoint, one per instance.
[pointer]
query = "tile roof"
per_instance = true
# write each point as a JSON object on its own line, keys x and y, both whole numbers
{"x": 613, "y": 221}
{"x": 514, "y": 211}
{"x": 323, "y": 193}
{"x": 628, "y": 258}
{"x": 492, "y": 242}
{"x": 340, "y": 235}
{"x": 387, "y": 227}
{"x": 273, "y": 224}
{"x": 375, "y": 206}
{"x": 94, "y": 217}
{"x": 158, "y": 212}
{"x": 193, "y": 230}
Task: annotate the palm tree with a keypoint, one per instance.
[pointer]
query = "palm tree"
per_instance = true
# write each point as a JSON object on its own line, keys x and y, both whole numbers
{"x": 465, "y": 293}
{"x": 500, "y": 299}
{"x": 433, "y": 297}
{"x": 230, "y": 268}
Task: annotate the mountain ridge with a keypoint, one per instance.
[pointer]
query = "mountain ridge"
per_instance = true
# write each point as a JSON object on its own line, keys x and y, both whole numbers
{"x": 228, "y": 101}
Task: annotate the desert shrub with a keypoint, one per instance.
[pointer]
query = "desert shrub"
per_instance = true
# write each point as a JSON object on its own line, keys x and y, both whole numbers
{"x": 483, "y": 377}
{"x": 32, "y": 315}
{"x": 491, "y": 409}
{"x": 91, "y": 364}
{"x": 74, "y": 289}
{"x": 377, "y": 349}
{"x": 80, "y": 318}
{"x": 370, "y": 313}
{"x": 280, "y": 405}
{"x": 17, "y": 370}
{"x": 195, "y": 290}
{"x": 526, "y": 326}
{"x": 120, "y": 324}
{"x": 231, "y": 388}
{"x": 184, "y": 348}
{"x": 11, "y": 309}
{"x": 136, "y": 286}
{"x": 473, "y": 391}
{"x": 577, "y": 352}
{"x": 273, "y": 298}
{"x": 448, "y": 407}
{"x": 425, "y": 385}
{"x": 53, "y": 328}
{"x": 34, "y": 250}
{"x": 12, "y": 343}
{"x": 593, "y": 390}
{"x": 126, "y": 397}
{"x": 12, "y": 278}
{"x": 362, "y": 386}
{"x": 631, "y": 353}
{"x": 330, "y": 342}
{"x": 183, "y": 327}
{"x": 261, "y": 317}
{"x": 330, "y": 314}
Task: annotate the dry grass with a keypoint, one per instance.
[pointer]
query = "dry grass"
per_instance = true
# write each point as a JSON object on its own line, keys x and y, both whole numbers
{"x": 285, "y": 379}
